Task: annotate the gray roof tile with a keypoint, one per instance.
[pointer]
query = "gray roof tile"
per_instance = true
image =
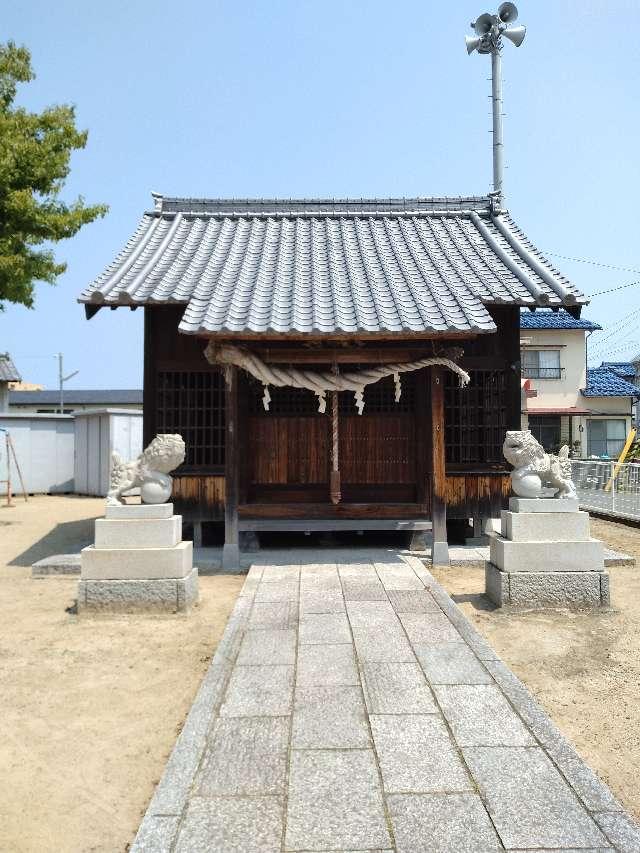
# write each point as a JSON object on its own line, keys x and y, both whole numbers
{"x": 8, "y": 371}
{"x": 330, "y": 266}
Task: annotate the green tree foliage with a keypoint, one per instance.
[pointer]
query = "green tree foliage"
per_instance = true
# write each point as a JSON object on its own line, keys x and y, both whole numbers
{"x": 35, "y": 149}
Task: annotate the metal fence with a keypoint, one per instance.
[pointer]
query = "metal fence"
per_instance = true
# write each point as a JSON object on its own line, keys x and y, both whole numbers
{"x": 608, "y": 487}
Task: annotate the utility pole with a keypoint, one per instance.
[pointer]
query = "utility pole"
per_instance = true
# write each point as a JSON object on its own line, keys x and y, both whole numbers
{"x": 62, "y": 379}
{"x": 489, "y": 32}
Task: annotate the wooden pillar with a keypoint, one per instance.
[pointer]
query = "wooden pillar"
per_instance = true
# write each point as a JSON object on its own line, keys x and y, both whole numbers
{"x": 440, "y": 550}
{"x": 231, "y": 550}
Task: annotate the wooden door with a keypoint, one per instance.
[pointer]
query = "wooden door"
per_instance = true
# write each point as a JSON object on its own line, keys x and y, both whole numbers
{"x": 378, "y": 457}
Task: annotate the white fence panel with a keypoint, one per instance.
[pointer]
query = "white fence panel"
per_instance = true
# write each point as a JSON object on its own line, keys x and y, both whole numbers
{"x": 98, "y": 434}
{"x": 44, "y": 446}
{"x": 608, "y": 487}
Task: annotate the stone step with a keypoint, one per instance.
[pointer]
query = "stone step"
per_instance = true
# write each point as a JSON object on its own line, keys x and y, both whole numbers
{"x": 570, "y": 556}
{"x": 138, "y": 532}
{"x": 136, "y": 563}
{"x": 545, "y": 527}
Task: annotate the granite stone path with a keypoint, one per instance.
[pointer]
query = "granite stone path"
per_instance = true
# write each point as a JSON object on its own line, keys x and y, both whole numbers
{"x": 352, "y": 707}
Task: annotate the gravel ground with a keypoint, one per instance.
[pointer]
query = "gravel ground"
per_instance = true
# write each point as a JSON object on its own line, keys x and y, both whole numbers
{"x": 90, "y": 707}
{"x": 583, "y": 667}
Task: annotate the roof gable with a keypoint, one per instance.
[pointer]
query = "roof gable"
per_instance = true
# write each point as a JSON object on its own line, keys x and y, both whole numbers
{"x": 602, "y": 382}
{"x": 622, "y": 368}
{"x": 319, "y": 266}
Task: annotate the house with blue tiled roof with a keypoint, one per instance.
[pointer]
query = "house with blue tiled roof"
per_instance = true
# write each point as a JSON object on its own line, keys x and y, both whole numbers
{"x": 564, "y": 401}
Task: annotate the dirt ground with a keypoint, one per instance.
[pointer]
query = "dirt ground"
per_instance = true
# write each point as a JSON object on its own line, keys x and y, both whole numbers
{"x": 583, "y": 667}
{"x": 89, "y": 707}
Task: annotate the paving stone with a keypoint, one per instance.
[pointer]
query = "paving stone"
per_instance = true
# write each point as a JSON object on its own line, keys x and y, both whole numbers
{"x": 325, "y": 601}
{"x": 529, "y": 802}
{"x": 451, "y": 663}
{"x": 273, "y": 574}
{"x": 479, "y": 715}
{"x": 277, "y": 591}
{"x": 413, "y": 600}
{"x": 259, "y": 691}
{"x": 323, "y": 628}
{"x": 358, "y": 570}
{"x": 368, "y": 614}
{"x": 335, "y": 801}
{"x": 232, "y": 825}
{"x": 156, "y": 834}
{"x": 416, "y": 754}
{"x": 441, "y": 823}
{"x": 320, "y": 578}
{"x": 326, "y": 665}
{"x": 621, "y": 830}
{"x": 395, "y": 576}
{"x": 273, "y": 614}
{"x": 378, "y": 644}
{"x": 397, "y": 688}
{"x": 363, "y": 589}
{"x": 268, "y": 646}
{"x": 595, "y": 795}
{"x": 429, "y": 628}
{"x": 329, "y": 718}
{"x": 247, "y": 756}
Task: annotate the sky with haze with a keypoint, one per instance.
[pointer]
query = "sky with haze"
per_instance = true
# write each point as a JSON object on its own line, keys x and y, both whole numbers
{"x": 290, "y": 98}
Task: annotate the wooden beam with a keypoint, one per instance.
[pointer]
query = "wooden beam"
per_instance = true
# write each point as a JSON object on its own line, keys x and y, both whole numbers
{"x": 231, "y": 550}
{"x": 440, "y": 547}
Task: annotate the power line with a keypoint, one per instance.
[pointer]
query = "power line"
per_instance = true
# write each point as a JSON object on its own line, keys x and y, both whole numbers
{"x": 613, "y": 289}
{"x": 592, "y": 262}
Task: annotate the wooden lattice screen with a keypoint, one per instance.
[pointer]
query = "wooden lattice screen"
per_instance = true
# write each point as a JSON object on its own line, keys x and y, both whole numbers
{"x": 192, "y": 403}
{"x": 475, "y": 418}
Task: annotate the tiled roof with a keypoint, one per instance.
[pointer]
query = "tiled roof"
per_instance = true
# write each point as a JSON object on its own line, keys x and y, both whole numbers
{"x": 8, "y": 372}
{"x": 554, "y": 320}
{"x": 602, "y": 382}
{"x": 329, "y": 266}
{"x": 622, "y": 368}
{"x": 90, "y": 397}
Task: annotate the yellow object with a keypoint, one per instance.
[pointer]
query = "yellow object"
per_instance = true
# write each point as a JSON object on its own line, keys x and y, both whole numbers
{"x": 621, "y": 458}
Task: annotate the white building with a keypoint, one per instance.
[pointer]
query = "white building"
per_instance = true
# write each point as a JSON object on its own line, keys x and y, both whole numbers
{"x": 590, "y": 409}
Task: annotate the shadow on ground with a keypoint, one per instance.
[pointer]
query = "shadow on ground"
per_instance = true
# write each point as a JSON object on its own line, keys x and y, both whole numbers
{"x": 68, "y": 537}
{"x": 477, "y": 600}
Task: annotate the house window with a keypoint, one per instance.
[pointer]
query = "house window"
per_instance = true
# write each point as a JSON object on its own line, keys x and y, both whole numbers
{"x": 541, "y": 364}
{"x": 606, "y": 437}
{"x": 546, "y": 430}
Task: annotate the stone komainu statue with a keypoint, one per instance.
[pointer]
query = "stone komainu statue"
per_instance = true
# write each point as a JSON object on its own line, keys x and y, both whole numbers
{"x": 150, "y": 471}
{"x": 534, "y": 468}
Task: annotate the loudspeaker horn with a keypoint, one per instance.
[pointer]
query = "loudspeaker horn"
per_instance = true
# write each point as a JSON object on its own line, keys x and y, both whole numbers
{"x": 508, "y": 12}
{"x": 484, "y": 24}
{"x": 472, "y": 42}
{"x": 515, "y": 34}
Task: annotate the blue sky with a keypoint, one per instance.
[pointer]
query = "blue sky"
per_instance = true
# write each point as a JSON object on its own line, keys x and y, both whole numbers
{"x": 297, "y": 98}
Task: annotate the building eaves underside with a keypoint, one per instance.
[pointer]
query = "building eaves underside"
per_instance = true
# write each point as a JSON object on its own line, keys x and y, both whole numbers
{"x": 330, "y": 267}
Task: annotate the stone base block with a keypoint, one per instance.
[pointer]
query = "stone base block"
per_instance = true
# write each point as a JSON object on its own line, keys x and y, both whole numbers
{"x": 546, "y": 589}
{"x": 543, "y": 504}
{"x": 133, "y": 511}
{"x": 58, "y": 564}
{"x": 137, "y": 563}
{"x": 138, "y": 532}
{"x": 549, "y": 527}
{"x": 165, "y": 595}
{"x": 546, "y": 556}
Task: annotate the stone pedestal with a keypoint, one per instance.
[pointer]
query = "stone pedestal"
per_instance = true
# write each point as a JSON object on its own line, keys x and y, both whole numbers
{"x": 546, "y": 557}
{"x": 138, "y": 562}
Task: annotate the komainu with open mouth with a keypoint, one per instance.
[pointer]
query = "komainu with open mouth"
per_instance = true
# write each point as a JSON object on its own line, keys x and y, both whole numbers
{"x": 534, "y": 468}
